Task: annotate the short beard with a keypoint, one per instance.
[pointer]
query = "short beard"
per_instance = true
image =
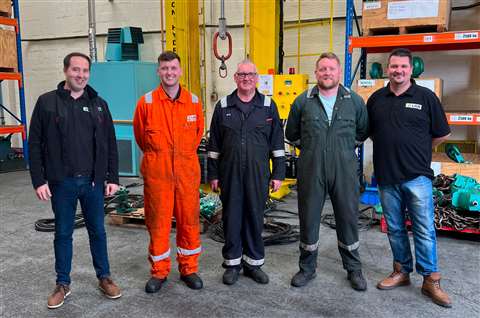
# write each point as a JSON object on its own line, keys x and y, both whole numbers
{"x": 322, "y": 86}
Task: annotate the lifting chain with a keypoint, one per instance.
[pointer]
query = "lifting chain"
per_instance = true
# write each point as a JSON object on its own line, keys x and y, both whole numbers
{"x": 445, "y": 214}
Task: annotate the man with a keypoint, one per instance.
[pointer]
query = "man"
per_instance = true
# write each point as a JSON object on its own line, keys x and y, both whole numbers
{"x": 73, "y": 151}
{"x": 168, "y": 126}
{"x": 245, "y": 134}
{"x": 406, "y": 122}
{"x": 326, "y": 121}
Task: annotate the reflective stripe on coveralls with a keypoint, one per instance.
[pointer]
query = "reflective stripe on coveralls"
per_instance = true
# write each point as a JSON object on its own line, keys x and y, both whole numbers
{"x": 253, "y": 262}
{"x": 309, "y": 247}
{"x": 157, "y": 258}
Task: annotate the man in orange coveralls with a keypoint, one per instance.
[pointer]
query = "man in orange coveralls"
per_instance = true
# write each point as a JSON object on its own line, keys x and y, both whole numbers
{"x": 168, "y": 126}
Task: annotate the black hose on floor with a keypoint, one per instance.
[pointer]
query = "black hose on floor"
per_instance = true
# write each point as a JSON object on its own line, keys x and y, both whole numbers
{"x": 48, "y": 225}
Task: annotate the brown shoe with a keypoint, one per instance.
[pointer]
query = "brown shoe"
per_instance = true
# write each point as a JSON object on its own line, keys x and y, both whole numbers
{"x": 396, "y": 279}
{"x": 58, "y": 296}
{"x": 431, "y": 288}
{"x": 108, "y": 287}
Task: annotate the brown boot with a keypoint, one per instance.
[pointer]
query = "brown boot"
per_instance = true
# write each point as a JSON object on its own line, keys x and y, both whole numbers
{"x": 108, "y": 287}
{"x": 58, "y": 296}
{"x": 431, "y": 288}
{"x": 395, "y": 279}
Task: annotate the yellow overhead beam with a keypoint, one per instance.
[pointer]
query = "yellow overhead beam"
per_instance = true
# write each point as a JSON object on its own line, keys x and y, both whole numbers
{"x": 181, "y": 24}
{"x": 264, "y": 34}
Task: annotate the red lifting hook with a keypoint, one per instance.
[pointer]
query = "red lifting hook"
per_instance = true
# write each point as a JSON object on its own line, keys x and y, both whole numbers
{"x": 223, "y": 58}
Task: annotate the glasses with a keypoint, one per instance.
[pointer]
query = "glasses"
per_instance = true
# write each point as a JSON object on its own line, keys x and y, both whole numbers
{"x": 245, "y": 75}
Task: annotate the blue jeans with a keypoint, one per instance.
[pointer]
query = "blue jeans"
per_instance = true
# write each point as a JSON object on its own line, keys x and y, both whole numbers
{"x": 64, "y": 204}
{"x": 416, "y": 197}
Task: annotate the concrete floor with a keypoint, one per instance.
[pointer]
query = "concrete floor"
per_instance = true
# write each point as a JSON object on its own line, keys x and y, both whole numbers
{"x": 27, "y": 275}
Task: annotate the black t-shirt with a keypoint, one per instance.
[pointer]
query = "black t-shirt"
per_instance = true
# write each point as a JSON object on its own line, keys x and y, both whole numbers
{"x": 80, "y": 136}
{"x": 402, "y": 128}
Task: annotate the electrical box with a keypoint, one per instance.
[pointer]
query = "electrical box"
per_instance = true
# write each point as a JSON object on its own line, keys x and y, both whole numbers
{"x": 285, "y": 89}
{"x": 121, "y": 84}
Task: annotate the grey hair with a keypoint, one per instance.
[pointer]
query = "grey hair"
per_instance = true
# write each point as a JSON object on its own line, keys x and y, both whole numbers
{"x": 246, "y": 61}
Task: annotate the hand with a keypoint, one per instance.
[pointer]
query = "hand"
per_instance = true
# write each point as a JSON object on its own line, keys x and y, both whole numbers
{"x": 214, "y": 185}
{"x": 43, "y": 192}
{"x": 110, "y": 189}
{"x": 275, "y": 185}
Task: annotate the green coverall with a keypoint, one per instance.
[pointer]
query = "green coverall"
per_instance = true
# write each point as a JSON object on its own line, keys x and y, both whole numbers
{"x": 328, "y": 164}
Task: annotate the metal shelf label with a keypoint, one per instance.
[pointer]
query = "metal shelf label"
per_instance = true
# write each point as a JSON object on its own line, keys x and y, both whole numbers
{"x": 428, "y": 38}
{"x": 466, "y": 36}
{"x": 461, "y": 118}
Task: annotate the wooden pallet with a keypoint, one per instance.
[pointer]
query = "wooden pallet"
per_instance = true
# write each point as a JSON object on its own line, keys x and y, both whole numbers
{"x": 6, "y": 8}
{"x": 449, "y": 167}
{"x": 404, "y": 30}
{"x": 134, "y": 219}
{"x": 405, "y": 16}
{"x": 8, "y": 51}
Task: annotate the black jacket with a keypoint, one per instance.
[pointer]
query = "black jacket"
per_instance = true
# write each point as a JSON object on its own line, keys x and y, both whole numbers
{"x": 48, "y": 138}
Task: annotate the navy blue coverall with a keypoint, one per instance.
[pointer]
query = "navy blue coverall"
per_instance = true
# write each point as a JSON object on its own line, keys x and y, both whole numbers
{"x": 243, "y": 139}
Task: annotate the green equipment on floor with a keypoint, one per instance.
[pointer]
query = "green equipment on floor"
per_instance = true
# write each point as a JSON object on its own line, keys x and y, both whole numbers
{"x": 465, "y": 193}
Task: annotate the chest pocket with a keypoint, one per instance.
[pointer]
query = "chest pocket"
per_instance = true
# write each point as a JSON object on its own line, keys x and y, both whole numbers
{"x": 311, "y": 126}
{"x": 415, "y": 120}
{"x": 188, "y": 131}
{"x": 262, "y": 128}
{"x": 345, "y": 125}
{"x": 345, "y": 121}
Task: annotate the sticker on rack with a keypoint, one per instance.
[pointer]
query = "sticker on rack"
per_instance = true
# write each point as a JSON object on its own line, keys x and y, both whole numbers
{"x": 428, "y": 38}
{"x": 191, "y": 118}
{"x": 461, "y": 118}
{"x": 466, "y": 36}
{"x": 372, "y": 5}
{"x": 413, "y": 105}
{"x": 366, "y": 83}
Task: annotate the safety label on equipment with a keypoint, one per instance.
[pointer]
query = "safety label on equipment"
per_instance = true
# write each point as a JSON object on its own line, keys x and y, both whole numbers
{"x": 466, "y": 36}
{"x": 372, "y": 5}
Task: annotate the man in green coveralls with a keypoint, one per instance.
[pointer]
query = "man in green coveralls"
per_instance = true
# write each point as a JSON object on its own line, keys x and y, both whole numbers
{"x": 326, "y": 122}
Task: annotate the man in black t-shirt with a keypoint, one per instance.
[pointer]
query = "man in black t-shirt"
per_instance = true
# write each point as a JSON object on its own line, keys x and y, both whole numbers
{"x": 406, "y": 122}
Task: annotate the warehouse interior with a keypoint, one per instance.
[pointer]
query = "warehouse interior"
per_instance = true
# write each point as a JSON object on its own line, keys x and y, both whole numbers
{"x": 283, "y": 38}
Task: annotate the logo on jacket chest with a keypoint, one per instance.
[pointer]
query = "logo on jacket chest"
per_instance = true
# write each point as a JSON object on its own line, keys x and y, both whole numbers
{"x": 191, "y": 118}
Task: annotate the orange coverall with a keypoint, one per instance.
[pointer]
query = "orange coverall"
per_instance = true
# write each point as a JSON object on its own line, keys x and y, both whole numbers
{"x": 169, "y": 132}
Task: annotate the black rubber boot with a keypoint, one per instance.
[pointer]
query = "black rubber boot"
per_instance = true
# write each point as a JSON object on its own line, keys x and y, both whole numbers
{"x": 230, "y": 276}
{"x": 154, "y": 284}
{"x": 357, "y": 281}
{"x": 193, "y": 281}
{"x": 301, "y": 278}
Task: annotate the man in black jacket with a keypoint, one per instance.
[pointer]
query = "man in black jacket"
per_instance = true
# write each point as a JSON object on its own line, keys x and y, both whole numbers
{"x": 73, "y": 152}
